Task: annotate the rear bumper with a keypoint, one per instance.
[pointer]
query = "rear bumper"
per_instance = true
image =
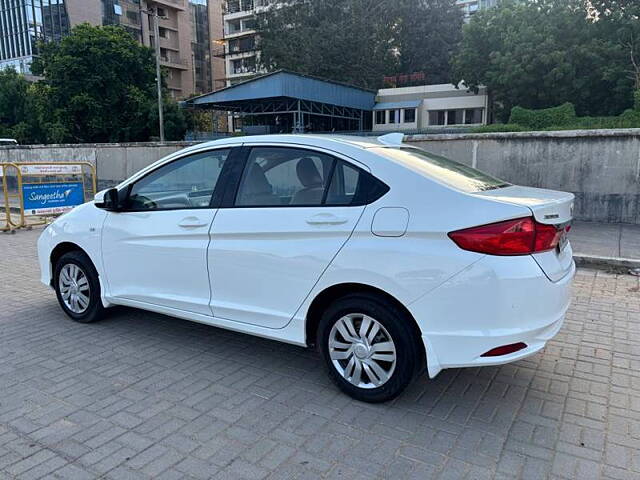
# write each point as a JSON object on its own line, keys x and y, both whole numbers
{"x": 496, "y": 301}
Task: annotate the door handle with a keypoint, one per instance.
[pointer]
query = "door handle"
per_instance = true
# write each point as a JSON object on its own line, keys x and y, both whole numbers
{"x": 192, "y": 222}
{"x": 326, "y": 219}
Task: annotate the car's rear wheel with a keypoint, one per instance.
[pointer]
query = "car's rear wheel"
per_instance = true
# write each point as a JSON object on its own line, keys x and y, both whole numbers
{"x": 78, "y": 287}
{"x": 369, "y": 347}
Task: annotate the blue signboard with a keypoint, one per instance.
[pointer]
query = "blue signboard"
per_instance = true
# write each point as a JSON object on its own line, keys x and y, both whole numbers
{"x": 51, "y": 198}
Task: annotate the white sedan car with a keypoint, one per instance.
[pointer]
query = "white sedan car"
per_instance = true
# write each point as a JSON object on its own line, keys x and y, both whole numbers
{"x": 386, "y": 258}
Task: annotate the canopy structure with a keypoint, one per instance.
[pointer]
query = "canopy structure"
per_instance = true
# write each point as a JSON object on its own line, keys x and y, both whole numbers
{"x": 397, "y": 105}
{"x": 285, "y": 102}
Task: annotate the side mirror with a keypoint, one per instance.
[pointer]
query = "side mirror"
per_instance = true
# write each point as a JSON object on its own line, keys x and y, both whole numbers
{"x": 107, "y": 200}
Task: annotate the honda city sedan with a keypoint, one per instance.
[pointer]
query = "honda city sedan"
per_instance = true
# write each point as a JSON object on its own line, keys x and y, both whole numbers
{"x": 386, "y": 258}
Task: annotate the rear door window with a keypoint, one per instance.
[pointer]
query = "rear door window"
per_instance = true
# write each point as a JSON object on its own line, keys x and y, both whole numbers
{"x": 277, "y": 177}
{"x": 293, "y": 177}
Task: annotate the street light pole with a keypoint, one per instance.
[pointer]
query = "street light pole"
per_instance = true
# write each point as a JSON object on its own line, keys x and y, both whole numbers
{"x": 153, "y": 13}
{"x": 156, "y": 34}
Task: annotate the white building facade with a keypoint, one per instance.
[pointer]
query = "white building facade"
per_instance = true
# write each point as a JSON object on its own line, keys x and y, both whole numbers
{"x": 429, "y": 106}
{"x": 242, "y": 59}
{"x": 470, "y": 7}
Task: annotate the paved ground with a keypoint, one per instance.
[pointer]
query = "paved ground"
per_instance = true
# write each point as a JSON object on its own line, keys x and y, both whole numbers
{"x": 145, "y": 396}
{"x": 615, "y": 240}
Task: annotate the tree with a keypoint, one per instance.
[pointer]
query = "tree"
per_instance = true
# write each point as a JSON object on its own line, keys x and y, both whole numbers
{"x": 540, "y": 54}
{"x": 360, "y": 41}
{"x": 620, "y": 21}
{"x": 99, "y": 86}
{"x": 17, "y": 110}
{"x": 428, "y": 33}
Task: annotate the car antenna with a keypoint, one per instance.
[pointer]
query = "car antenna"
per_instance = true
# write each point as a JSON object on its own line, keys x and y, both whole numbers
{"x": 392, "y": 139}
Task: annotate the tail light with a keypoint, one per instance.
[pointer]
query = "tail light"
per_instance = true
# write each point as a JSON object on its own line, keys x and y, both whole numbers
{"x": 522, "y": 236}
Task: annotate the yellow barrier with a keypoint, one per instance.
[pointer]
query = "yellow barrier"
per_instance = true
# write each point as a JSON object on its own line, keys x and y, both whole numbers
{"x": 17, "y": 178}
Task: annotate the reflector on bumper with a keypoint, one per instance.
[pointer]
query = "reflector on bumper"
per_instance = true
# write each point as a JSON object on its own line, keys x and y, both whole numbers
{"x": 504, "y": 350}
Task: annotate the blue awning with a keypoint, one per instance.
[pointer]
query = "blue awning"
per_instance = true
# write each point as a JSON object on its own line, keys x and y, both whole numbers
{"x": 397, "y": 105}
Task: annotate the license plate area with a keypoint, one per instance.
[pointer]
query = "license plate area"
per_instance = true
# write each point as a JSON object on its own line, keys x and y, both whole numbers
{"x": 564, "y": 236}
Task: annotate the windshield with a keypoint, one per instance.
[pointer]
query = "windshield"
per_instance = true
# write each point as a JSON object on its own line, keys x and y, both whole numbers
{"x": 453, "y": 174}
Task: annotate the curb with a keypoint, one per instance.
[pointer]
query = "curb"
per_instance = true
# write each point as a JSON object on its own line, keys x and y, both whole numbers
{"x": 608, "y": 263}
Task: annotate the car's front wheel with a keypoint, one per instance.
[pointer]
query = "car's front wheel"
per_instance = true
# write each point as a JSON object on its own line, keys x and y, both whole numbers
{"x": 369, "y": 347}
{"x": 78, "y": 287}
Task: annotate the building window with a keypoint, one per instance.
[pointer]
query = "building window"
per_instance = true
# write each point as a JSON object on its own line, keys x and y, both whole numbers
{"x": 381, "y": 117}
{"x": 409, "y": 115}
{"x": 234, "y": 27}
{"x": 394, "y": 116}
{"x": 133, "y": 17}
{"x": 244, "y": 65}
{"x": 468, "y": 116}
{"x": 473, "y": 116}
{"x": 163, "y": 32}
{"x": 161, "y": 12}
{"x": 244, "y": 44}
{"x": 437, "y": 117}
{"x": 455, "y": 117}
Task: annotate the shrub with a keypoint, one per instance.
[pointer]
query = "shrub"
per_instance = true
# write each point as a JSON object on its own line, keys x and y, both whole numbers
{"x": 499, "y": 127}
{"x": 563, "y": 118}
{"x": 564, "y": 115}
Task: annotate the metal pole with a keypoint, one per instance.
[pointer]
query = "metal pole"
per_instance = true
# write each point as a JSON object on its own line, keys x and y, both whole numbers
{"x": 156, "y": 43}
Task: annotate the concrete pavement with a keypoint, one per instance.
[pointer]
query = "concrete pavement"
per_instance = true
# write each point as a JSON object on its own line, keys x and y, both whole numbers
{"x": 606, "y": 239}
{"x": 608, "y": 245}
{"x": 144, "y": 396}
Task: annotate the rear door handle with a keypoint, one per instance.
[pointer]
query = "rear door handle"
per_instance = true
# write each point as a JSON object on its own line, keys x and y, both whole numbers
{"x": 326, "y": 219}
{"x": 192, "y": 222}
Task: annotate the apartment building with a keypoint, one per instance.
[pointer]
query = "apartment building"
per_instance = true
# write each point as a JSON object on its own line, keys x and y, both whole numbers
{"x": 470, "y": 7}
{"x": 187, "y": 30}
{"x": 239, "y": 43}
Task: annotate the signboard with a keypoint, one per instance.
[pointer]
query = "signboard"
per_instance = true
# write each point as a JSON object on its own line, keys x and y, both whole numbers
{"x": 52, "y": 169}
{"x": 51, "y": 198}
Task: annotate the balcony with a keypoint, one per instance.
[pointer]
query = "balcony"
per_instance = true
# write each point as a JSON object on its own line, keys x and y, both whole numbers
{"x": 170, "y": 42}
{"x": 239, "y": 28}
{"x": 177, "y": 4}
{"x": 173, "y": 61}
{"x": 237, "y": 6}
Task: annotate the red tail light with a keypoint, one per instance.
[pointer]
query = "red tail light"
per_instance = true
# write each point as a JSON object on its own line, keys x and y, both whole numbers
{"x": 522, "y": 236}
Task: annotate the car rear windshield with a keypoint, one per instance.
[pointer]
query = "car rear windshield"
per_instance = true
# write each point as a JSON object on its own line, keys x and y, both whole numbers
{"x": 449, "y": 172}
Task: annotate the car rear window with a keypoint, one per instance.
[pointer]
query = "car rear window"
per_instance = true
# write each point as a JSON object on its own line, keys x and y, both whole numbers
{"x": 449, "y": 172}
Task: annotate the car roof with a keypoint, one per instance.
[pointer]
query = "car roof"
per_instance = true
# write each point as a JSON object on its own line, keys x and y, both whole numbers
{"x": 300, "y": 139}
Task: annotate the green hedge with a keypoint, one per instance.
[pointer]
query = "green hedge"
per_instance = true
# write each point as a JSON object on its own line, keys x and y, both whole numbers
{"x": 563, "y": 115}
{"x": 563, "y": 118}
{"x": 499, "y": 127}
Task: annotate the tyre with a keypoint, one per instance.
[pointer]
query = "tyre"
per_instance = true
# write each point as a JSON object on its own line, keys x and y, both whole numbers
{"x": 78, "y": 288}
{"x": 369, "y": 347}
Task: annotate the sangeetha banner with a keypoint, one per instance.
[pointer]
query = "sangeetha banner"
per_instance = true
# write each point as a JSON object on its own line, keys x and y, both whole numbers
{"x": 51, "y": 198}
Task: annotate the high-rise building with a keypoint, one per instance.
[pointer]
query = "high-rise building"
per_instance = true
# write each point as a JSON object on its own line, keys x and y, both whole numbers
{"x": 470, "y": 7}
{"x": 242, "y": 59}
{"x": 187, "y": 29}
{"x": 23, "y": 23}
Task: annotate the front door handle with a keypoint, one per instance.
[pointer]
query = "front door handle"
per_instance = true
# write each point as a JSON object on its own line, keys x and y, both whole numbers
{"x": 326, "y": 219}
{"x": 192, "y": 222}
